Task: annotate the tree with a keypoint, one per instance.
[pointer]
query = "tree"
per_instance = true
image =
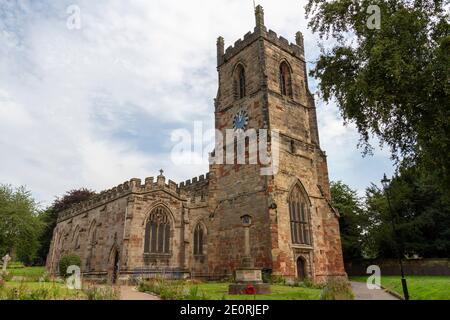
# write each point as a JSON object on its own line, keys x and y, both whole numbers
{"x": 392, "y": 82}
{"x": 421, "y": 213}
{"x": 50, "y": 216}
{"x": 352, "y": 219}
{"x": 19, "y": 224}
{"x": 382, "y": 243}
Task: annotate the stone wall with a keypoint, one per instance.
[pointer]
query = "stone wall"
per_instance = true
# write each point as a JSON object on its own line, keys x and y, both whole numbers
{"x": 422, "y": 267}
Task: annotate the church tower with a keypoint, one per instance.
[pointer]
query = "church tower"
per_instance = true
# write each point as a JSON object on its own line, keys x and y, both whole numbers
{"x": 295, "y": 233}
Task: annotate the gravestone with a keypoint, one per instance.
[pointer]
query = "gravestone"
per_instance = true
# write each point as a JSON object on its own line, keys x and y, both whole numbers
{"x": 6, "y": 260}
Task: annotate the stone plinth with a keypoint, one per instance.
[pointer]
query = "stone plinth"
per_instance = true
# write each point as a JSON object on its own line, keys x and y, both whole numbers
{"x": 248, "y": 275}
{"x": 245, "y": 277}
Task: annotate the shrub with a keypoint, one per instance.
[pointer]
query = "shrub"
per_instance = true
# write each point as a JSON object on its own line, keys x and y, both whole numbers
{"x": 171, "y": 290}
{"x": 6, "y": 276}
{"x": 101, "y": 293}
{"x": 45, "y": 277}
{"x": 304, "y": 283}
{"x": 67, "y": 261}
{"x": 194, "y": 294}
{"x": 337, "y": 289}
{"x": 275, "y": 279}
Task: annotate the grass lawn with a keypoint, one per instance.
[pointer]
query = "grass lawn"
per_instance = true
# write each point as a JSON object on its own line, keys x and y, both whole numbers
{"x": 31, "y": 273}
{"x": 219, "y": 291}
{"x": 419, "y": 287}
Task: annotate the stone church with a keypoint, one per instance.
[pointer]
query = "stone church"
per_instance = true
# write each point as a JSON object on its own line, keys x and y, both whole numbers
{"x": 194, "y": 228}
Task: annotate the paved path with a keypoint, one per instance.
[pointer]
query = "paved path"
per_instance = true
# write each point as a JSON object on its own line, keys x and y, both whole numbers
{"x": 363, "y": 293}
{"x": 130, "y": 293}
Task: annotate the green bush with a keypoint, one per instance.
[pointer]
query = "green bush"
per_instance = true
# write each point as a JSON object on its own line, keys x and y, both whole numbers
{"x": 276, "y": 279}
{"x": 6, "y": 276}
{"x": 337, "y": 289}
{"x": 171, "y": 290}
{"x": 67, "y": 261}
{"x": 101, "y": 293}
{"x": 195, "y": 294}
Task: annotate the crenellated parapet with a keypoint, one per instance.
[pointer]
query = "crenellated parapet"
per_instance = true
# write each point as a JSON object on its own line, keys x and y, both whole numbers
{"x": 296, "y": 49}
{"x": 133, "y": 186}
{"x": 196, "y": 189}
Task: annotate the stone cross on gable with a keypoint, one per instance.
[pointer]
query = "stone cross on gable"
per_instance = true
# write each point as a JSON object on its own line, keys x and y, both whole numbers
{"x": 6, "y": 260}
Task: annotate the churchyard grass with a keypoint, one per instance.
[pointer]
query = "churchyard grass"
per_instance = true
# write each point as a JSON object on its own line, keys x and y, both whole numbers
{"x": 27, "y": 273}
{"x": 15, "y": 290}
{"x": 419, "y": 287}
{"x": 32, "y": 283}
{"x": 179, "y": 290}
{"x": 218, "y": 291}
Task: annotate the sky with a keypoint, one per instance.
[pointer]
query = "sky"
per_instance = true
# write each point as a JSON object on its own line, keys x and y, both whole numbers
{"x": 97, "y": 105}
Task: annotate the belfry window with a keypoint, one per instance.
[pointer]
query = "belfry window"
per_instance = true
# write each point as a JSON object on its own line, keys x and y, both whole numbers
{"x": 198, "y": 240}
{"x": 299, "y": 214}
{"x": 239, "y": 83}
{"x": 285, "y": 80}
{"x": 157, "y": 232}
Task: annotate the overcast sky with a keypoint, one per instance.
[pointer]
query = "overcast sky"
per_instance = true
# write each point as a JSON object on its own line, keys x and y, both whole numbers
{"x": 96, "y": 106}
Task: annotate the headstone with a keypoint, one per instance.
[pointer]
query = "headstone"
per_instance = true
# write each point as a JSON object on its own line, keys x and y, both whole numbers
{"x": 6, "y": 260}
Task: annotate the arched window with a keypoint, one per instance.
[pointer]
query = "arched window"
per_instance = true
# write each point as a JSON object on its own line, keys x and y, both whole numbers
{"x": 77, "y": 241}
{"x": 93, "y": 241}
{"x": 90, "y": 261}
{"x": 157, "y": 232}
{"x": 239, "y": 82}
{"x": 285, "y": 79}
{"x": 198, "y": 240}
{"x": 299, "y": 213}
{"x": 76, "y": 238}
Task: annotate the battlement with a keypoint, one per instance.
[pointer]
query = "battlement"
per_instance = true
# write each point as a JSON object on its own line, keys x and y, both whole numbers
{"x": 296, "y": 49}
{"x": 195, "y": 181}
{"x": 128, "y": 187}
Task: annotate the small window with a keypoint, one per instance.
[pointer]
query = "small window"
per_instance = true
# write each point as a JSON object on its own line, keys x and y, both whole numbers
{"x": 285, "y": 80}
{"x": 292, "y": 146}
{"x": 198, "y": 240}
{"x": 239, "y": 82}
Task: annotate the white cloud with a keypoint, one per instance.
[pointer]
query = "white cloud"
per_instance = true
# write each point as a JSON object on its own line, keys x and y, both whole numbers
{"x": 94, "y": 107}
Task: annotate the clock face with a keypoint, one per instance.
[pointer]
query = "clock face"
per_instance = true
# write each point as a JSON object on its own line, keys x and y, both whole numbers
{"x": 240, "y": 120}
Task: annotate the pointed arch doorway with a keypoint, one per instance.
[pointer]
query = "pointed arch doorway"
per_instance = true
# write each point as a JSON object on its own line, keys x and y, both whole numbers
{"x": 115, "y": 260}
{"x": 301, "y": 272}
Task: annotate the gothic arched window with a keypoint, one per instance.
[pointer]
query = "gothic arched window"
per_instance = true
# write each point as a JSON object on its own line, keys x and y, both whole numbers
{"x": 93, "y": 241}
{"x": 299, "y": 214}
{"x": 77, "y": 241}
{"x": 198, "y": 239}
{"x": 285, "y": 79}
{"x": 157, "y": 232}
{"x": 239, "y": 82}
